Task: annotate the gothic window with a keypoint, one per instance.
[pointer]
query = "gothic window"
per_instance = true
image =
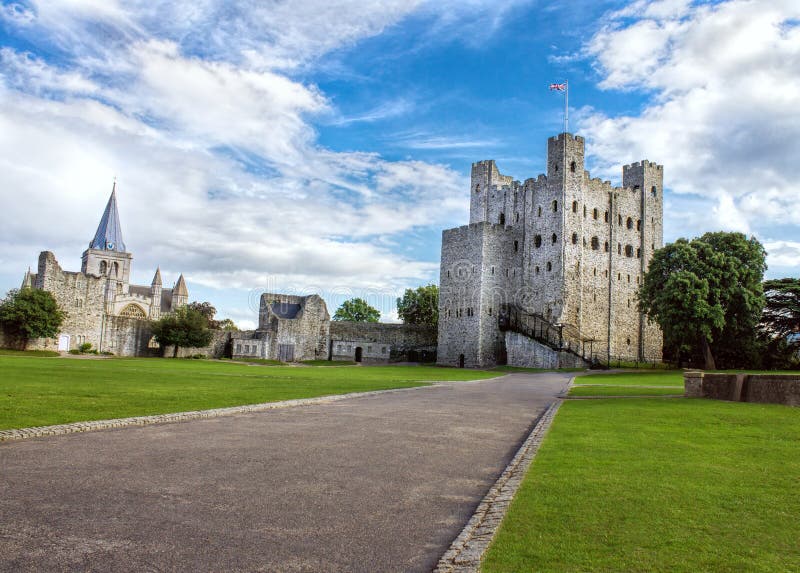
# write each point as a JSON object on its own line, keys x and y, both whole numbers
{"x": 103, "y": 268}
{"x": 574, "y": 206}
{"x": 629, "y": 250}
{"x": 574, "y": 238}
{"x": 133, "y": 311}
{"x": 595, "y": 213}
{"x": 572, "y": 166}
{"x": 554, "y": 238}
{"x": 595, "y": 243}
{"x": 502, "y": 218}
{"x": 629, "y": 223}
{"x": 549, "y": 266}
{"x": 537, "y": 241}
{"x": 555, "y": 206}
{"x": 114, "y": 270}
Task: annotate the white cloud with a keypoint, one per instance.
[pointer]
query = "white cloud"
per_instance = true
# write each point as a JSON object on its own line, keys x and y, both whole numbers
{"x": 723, "y": 114}
{"x": 783, "y": 254}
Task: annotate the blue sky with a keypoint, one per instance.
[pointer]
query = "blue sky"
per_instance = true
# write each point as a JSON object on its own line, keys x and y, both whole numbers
{"x": 312, "y": 146}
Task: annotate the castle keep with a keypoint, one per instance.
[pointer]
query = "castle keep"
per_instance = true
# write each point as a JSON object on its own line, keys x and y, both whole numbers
{"x": 546, "y": 272}
{"x": 103, "y": 308}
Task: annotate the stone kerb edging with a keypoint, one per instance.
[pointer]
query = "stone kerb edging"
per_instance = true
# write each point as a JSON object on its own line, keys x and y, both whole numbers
{"x": 77, "y": 427}
{"x": 465, "y": 553}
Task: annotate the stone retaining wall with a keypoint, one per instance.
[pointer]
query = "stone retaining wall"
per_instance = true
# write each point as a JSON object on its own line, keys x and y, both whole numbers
{"x": 761, "y": 388}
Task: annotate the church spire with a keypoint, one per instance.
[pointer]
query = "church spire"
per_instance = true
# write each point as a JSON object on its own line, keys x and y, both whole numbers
{"x": 109, "y": 232}
{"x": 157, "y": 278}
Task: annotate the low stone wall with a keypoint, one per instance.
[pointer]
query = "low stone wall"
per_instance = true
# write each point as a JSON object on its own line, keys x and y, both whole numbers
{"x": 761, "y": 388}
{"x": 525, "y": 352}
{"x": 218, "y": 348}
{"x": 382, "y": 342}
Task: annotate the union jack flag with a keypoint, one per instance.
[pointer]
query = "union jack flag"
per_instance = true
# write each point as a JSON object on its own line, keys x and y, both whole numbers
{"x": 558, "y": 87}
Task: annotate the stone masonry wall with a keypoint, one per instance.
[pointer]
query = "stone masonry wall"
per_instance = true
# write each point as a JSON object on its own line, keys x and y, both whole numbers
{"x": 760, "y": 388}
{"x": 381, "y": 342}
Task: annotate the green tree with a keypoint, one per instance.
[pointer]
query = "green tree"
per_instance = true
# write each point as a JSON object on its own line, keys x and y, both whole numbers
{"x": 357, "y": 310}
{"x": 206, "y": 309}
{"x": 420, "y": 306}
{"x": 780, "y": 322}
{"x": 184, "y": 328}
{"x": 30, "y": 313}
{"x": 706, "y": 296}
{"x": 226, "y": 324}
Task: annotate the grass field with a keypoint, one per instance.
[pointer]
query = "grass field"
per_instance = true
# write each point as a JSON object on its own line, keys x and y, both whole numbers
{"x": 44, "y": 391}
{"x": 625, "y": 391}
{"x": 652, "y": 485}
{"x": 649, "y": 383}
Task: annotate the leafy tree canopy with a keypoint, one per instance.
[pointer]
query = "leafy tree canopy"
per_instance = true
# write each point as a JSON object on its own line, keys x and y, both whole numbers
{"x": 31, "y": 313}
{"x": 226, "y": 324}
{"x": 184, "y": 328}
{"x": 706, "y": 295}
{"x": 780, "y": 321}
{"x": 357, "y": 310}
{"x": 209, "y": 312}
{"x": 420, "y": 306}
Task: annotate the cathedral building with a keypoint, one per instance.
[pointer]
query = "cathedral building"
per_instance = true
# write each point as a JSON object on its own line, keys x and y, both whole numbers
{"x": 97, "y": 297}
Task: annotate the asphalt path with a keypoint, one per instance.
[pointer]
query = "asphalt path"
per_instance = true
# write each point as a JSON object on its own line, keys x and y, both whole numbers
{"x": 378, "y": 483}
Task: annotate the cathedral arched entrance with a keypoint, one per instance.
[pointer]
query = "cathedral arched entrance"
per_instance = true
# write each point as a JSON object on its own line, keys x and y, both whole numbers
{"x": 359, "y": 353}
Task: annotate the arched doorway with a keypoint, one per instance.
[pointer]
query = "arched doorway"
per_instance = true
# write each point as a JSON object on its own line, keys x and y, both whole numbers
{"x": 359, "y": 353}
{"x": 461, "y": 361}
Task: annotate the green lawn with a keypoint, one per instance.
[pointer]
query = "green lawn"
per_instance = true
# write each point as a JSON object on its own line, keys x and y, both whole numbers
{"x": 625, "y": 391}
{"x": 44, "y": 391}
{"x": 650, "y": 485}
{"x": 648, "y": 378}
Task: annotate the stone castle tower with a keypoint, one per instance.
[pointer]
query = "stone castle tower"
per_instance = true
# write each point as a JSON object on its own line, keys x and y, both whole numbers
{"x": 546, "y": 273}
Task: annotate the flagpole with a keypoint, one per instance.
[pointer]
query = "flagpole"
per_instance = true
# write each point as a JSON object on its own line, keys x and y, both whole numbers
{"x": 566, "y": 107}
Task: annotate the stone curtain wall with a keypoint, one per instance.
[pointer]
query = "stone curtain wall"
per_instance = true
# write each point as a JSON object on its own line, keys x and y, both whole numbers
{"x": 401, "y": 341}
{"x": 760, "y": 388}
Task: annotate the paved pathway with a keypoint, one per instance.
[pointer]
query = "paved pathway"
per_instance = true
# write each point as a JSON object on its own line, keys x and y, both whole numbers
{"x": 375, "y": 484}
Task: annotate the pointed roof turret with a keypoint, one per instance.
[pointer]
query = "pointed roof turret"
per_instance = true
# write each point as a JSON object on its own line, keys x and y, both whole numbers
{"x": 109, "y": 232}
{"x": 180, "y": 287}
{"x": 27, "y": 282}
{"x": 157, "y": 278}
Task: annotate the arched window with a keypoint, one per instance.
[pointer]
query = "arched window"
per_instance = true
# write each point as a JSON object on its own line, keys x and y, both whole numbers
{"x": 103, "y": 268}
{"x": 555, "y": 205}
{"x": 554, "y": 238}
{"x": 629, "y": 223}
{"x": 537, "y": 241}
{"x": 133, "y": 311}
{"x": 549, "y": 266}
{"x": 574, "y": 206}
{"x": 595, "y": 243}
{"x": 114, "y": 270}
{"x": 572, "y": 166}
